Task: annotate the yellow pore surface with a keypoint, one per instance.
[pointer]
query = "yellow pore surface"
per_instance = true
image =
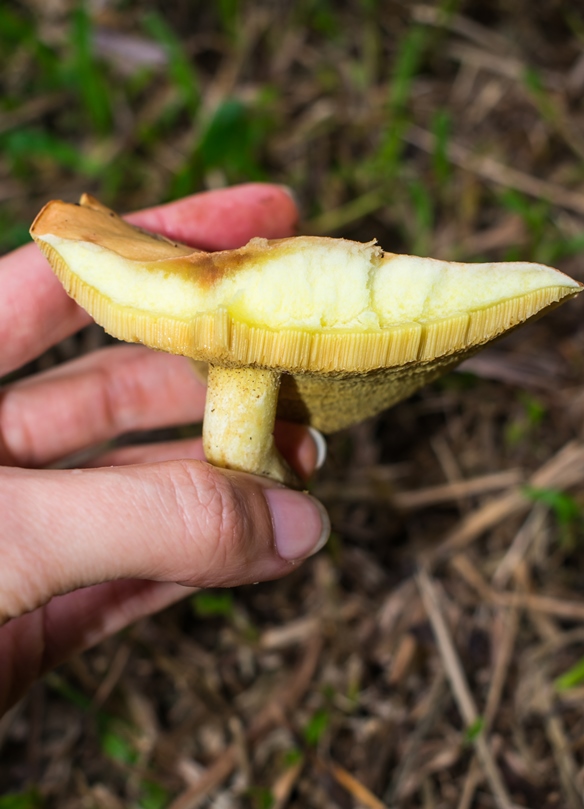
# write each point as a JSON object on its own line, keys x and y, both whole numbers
{"x": 303, "y": 303}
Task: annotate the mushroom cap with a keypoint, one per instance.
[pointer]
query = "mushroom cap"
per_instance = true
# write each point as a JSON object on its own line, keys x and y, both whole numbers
{"x": 345, "y": 320}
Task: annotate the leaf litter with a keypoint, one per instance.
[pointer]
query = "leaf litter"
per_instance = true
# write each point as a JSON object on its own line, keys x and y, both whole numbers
{"x": 432, "y": 655}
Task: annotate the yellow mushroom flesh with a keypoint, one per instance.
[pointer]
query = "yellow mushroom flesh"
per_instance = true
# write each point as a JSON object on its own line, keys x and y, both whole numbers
{"x": 328, "y": 331}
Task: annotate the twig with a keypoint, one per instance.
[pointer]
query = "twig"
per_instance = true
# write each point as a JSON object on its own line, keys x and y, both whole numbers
{"x": 511, "y": 67}
{"x": 354, "y": 787}
{"x": 283, "y": 701}
{"x": 456, "y": 490}
{"x": 551, "y": 646}
{"x": 505, "y": 648}
{"x": 519, "y": 546}
{"x": 535, "y": 373}
{"x": 350, "y": 212}
{"x": 474, "y": 777}
{"x": 459, "y": 685}
{"x": 473, "y": 31}
{"x": 571, "y": 610}
{"x": 282, "y": 788}
{"x": 240, "y": 742}
{"x": 544, "y": 703}
{"x": 291, "y": 692}
{"x": 194, "y": 795}
{"x": 450, "y": 467}
{"x": 564, "y": 470}
{"x": 103, "y": 798}
{"x": 493, "y": 171}
{"x": 114, "y": 672}
{"x": 289, "y": 634}
{"x": 373, "y": 491}
{"x": 31, "y": 110}
{"x": 546, "y": 105}
{"x": 425, "y": 723}
{"x": 470, "y": 573}
{"x": 481, "y": 520}
{"x": 550, "y": 605}
{"x": 564, "y": 760}
{"x": 560, "y": 745}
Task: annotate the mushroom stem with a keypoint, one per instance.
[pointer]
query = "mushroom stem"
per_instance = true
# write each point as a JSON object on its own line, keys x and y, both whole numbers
{"x": 239, "y": 422}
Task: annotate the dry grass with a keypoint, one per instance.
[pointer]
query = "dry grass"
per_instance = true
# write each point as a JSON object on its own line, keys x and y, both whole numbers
{"x": 432, "y": 655}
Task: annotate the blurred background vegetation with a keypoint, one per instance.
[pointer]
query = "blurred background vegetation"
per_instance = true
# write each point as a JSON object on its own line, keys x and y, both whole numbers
{"x": 453, "y": 129}
{"x": 385, "y": 117}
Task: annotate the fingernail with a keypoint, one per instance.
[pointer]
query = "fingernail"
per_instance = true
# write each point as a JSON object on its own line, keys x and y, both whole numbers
{"x": 301, "y": 524}
{"x": 321, "y": 449}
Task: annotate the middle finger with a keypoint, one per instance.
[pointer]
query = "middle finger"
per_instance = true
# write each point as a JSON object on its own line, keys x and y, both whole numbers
{"x": 93, "y": 399}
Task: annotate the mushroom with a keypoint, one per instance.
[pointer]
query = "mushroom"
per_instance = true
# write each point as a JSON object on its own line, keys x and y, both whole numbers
{"x": 316, "y": 330}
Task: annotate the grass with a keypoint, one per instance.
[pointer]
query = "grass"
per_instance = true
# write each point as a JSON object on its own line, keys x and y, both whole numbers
{"x": 571, "y": 678}
{"x": 565, "y": 509}
{"x": 149, "y": 134}
{"x": 181, "y": 72}
{"x": 22, "y": 800}
{"x": 84, "y": 72}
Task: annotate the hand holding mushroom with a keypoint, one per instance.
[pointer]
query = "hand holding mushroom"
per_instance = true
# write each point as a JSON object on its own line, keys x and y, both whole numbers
{"x": 87, "y": 551}
{"x": 322, "y": 331}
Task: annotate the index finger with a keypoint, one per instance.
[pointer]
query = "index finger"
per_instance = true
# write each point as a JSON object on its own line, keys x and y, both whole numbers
{"x": 35, "y": 311}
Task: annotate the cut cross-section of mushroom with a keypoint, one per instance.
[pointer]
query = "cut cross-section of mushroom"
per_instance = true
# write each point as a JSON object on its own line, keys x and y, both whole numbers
{"x": 322, "y": 331}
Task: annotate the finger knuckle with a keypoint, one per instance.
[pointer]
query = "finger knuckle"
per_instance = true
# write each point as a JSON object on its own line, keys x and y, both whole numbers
{"x": 15, "y": 437}
{"x": 21, "y": 588}
{"x": 216, "y": 523}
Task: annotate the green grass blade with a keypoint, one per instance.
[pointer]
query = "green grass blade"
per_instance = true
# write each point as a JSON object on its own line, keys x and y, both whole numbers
{"x": 22, "y": 800}
{"x": 571, "y": 678}
{"x": 87, "y": 75}
{"x": 180, "y": 69}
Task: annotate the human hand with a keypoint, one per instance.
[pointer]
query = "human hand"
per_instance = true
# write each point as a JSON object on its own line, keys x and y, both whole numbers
{"x": 85, "y": 552}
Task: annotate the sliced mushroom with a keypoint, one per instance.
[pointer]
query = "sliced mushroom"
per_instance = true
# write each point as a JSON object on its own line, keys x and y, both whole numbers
{"x": 318, "y": 330}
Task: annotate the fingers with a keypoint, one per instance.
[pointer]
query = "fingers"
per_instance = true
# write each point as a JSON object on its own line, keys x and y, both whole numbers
{"x": 226, "y": 218}
{"x": 303, "y": 447}
{"x": 150, "y": 453}
{"x": 38, "y": 641}
{"x": 180, "y": 521}
{"x": 300, "y": 446}
{"x": 93, "y": 399}
{"x": 97, "y": 397}
{"x": 35, "y": 311}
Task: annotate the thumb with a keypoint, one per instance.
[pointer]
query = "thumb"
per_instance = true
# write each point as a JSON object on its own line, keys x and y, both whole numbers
{"x": 179, "y": 521}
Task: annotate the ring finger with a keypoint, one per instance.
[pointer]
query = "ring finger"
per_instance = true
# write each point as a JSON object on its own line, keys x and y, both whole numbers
{"x": 295, "y": 442}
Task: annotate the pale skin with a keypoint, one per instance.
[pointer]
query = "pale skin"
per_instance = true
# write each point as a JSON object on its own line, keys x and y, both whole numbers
{"x": 87, "y": 552}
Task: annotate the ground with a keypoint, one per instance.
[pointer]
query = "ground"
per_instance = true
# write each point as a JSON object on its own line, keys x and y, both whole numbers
{"x": 433, "y": 654}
